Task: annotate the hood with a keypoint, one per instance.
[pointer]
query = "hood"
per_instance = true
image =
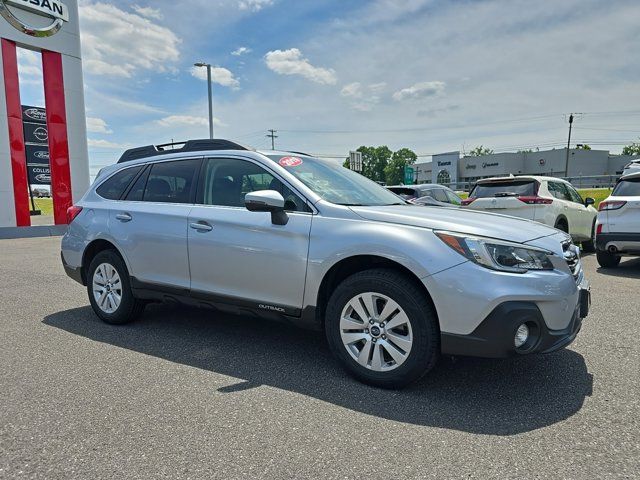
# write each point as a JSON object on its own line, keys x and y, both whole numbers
{"x": 460, "y": 220}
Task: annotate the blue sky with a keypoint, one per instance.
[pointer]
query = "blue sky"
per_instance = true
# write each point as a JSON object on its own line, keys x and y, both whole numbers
{"x": 430, "y": 75}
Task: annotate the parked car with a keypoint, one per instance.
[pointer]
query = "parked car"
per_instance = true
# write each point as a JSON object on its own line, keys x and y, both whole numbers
{"x": 41, "y": 193}
{"x": 631, "y": 167}
{"x": 618, "y": 226}
{"x": 427, "y": 194}
{"x": 547, "y": 200}
{"x": 289, "y": 236}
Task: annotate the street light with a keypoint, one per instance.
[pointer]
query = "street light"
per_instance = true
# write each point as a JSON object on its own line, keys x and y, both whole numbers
{"x": 202, "y": 64}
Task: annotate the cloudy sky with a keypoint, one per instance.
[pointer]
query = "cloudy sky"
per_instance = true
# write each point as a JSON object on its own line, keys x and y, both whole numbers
{"x": 434, "y": 76}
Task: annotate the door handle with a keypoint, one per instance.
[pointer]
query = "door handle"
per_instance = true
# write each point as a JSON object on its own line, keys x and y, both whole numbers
{"x": 123, "y": 217}
{"x": 201, "y": 226}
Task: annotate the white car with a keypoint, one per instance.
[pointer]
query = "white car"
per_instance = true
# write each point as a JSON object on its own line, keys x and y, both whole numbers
{"x": 632, "y": 167}
{"x": 618, "y": 226}
{"x": 547, "y": 200}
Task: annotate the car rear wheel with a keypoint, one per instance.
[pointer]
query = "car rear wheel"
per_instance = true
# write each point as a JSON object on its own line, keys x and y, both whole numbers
{"x": 382, "y": 328}
{"x": 109, "y": 289}
{"x": 607, "y": 260}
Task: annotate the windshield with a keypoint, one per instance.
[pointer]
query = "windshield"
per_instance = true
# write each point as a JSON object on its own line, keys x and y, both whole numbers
{"x": 627, "y": 188}
{"x": 336, "y": 184}
{"x": 513, "y": 188}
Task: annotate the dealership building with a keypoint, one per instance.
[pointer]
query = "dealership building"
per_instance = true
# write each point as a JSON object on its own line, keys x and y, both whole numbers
{"x": 598, "y": 167}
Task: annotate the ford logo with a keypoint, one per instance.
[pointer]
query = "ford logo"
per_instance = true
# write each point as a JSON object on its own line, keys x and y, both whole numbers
{"x": 42, "y": 154}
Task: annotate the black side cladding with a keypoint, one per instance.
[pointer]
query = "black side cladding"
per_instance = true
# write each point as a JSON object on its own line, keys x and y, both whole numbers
{"x": 188, "y": 146}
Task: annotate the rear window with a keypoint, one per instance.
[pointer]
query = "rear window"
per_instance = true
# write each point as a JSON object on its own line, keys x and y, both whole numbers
{"x": 515, "y": 188}
{"x": 114, "y": 186}
{"x": 627, "y": 188}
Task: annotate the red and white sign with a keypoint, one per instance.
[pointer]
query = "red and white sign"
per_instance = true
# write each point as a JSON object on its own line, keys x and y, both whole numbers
{"x": 290, "y": 161}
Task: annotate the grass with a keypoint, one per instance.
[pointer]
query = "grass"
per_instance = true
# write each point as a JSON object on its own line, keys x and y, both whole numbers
{"x": 45, "y": 205}
{"x": 598, "y": 194}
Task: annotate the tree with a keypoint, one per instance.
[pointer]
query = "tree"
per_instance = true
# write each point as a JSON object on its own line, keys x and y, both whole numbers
{"x": 479, "y": 151}
{"x": 631, "y": 149}
{"x": 583, "y": 146}
{"x": 374, "y": 161}
{"x": 394, "y": 171}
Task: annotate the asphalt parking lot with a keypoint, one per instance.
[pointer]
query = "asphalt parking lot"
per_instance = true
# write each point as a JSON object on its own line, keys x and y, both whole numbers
{"x": 197, "y": 394}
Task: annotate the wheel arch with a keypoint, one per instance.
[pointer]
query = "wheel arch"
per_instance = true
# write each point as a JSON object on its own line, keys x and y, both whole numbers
{"x": 355, "y": 264}
{"x": 92, "y": 249}
{"x": 562, "y": 219}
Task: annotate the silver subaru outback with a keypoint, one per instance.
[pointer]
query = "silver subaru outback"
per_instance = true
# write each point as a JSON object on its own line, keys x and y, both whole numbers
{"x": 293, "y": 237}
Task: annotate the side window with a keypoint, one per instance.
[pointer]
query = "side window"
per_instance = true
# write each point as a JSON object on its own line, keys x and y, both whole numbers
{"x": 440, "y": 195}
{"x": 171, "y": 182}
{"x": 453, "y": 198}
{"x": 559, "y": 190}
{"x": 136, "y": 192}
{"x": 114, "y": 186}
{"x": 575, "y": 196}
{"x": 226, "y": 181}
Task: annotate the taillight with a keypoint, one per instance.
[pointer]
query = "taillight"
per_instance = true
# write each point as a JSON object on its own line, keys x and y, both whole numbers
{"x": 72, "y": 212}
{"x": 599, "y": 229}
{"x": 467, "y": 201}
{"x": 611, "y": 205}
{"x": 535, "y": 200}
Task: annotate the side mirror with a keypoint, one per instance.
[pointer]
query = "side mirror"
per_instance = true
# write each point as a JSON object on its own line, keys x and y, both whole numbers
{"x": 267, "y": 201}
{"x": 589, "y": 201}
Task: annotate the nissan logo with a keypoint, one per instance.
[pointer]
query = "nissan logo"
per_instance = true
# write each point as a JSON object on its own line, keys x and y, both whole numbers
{"x": 41, "y": 134}
{"x": 53, "y": 10}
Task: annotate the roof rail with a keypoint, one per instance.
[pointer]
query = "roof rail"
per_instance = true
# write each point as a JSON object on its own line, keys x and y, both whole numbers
{"x": 187, "y": 146}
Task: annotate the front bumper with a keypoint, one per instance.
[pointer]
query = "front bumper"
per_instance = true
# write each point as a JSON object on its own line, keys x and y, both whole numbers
{"x": 494, "y": 337}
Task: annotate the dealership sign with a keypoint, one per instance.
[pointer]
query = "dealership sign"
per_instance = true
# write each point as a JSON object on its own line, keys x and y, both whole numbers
{"x": 53, "y": 10}
{"x": 34, "y": 124}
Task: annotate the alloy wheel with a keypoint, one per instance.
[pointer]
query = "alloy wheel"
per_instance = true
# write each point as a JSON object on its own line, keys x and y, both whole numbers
{"x": 107, "y": 288}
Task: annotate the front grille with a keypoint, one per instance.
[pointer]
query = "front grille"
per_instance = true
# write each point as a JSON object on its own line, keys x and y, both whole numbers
{"x": 571, "y": 254}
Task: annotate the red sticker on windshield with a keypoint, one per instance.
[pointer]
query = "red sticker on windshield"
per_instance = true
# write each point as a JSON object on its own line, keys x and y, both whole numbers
{"x": 290, "y": 161}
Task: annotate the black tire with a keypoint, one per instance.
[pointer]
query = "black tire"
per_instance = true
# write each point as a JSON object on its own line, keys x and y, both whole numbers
{"x": 561, "y": 224}
{"x": 425, "y": 349}
{"x": 590, "y": 246}
{"x": 130, "y": 307}
{"x": 607, "y": 260}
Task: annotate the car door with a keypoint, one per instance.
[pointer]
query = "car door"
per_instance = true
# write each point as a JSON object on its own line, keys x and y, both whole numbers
{"x": 150, "y": 224}
{"x": 563, "y": 198}
{"x": 241, "y": 257}
{"x": 585, "y": 214}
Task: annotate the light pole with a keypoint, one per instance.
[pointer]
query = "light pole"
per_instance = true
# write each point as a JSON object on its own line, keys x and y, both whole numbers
{"x": 202, "y": 64}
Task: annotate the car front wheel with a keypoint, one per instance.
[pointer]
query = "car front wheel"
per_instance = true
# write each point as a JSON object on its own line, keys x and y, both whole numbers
{"x": 382, "y": 328}
{"x": 109, "y": 289}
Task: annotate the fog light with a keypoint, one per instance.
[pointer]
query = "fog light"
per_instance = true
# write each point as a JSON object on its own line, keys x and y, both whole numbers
{"x": 522, "y": 334}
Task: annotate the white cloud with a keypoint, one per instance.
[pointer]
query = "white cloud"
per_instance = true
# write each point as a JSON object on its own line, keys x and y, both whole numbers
{"x": 106, "y": 144}
{"x": 29, "y": 67}
{"x": 148, "y": 12}
{"x": 219, "y": 75}
{"x": 363, "y": 99}
{"x": 97, "y": 125}
{"x": 254, "y": 5}
{"x": 187, "y": 121}
{"x": 420, "y": 90}
{"x": 352, "y": 90}
{"x": 291, "y": 62}
{"x": 241, "y": 51}
{"x": 119, "y": 44}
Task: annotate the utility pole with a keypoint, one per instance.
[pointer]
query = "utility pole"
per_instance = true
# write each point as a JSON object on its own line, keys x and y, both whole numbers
{"x": 566, "y": 163}
{"x": 273, "y": 136}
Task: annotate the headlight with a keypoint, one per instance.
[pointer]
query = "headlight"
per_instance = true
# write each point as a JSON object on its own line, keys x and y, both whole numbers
{"x": 498, "y": 254}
